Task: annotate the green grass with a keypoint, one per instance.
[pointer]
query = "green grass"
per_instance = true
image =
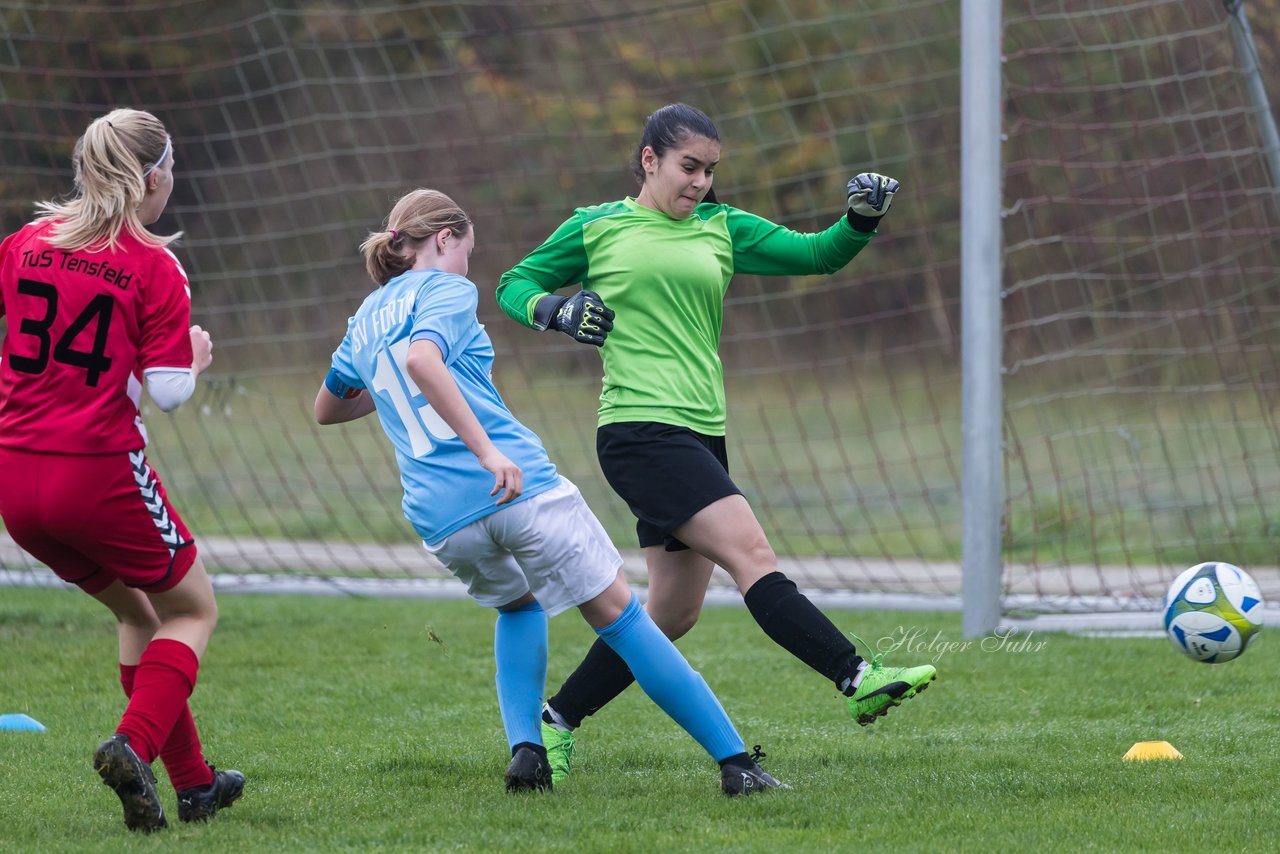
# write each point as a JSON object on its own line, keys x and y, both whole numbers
{"x": 372, "y": 725}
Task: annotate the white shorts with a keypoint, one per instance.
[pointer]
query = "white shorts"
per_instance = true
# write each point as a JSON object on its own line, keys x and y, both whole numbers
{"x": 551, "y": 545}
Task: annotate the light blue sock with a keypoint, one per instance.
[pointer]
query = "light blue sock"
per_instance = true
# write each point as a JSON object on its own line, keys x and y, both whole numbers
{"x": 667, "y": 678}
{"x": 520, "y": 650}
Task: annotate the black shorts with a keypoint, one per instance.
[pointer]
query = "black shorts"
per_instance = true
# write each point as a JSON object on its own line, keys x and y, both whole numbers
{"x": 665, "y": 474}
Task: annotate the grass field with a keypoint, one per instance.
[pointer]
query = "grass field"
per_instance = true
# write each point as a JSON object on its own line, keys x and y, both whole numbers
{"x": 372, "y": 725}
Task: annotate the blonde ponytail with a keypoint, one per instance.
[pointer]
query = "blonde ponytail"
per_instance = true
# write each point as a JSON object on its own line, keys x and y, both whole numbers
{"x": 417, "y": 216}
{"x": 111, "y": 162}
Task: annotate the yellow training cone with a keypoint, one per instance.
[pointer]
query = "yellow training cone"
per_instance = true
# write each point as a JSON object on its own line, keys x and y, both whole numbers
{"x": 1145, "y": 751}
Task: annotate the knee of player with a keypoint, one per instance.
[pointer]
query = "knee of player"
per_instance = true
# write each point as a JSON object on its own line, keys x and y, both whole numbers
{"x": 205, "y": 610}
{"x": 676, "y": 623}
{"x": 140, "y": 621}
{"x": 755, "y": 554}
{"x": 201, "y": 611}
{"x": 761, "y": 551}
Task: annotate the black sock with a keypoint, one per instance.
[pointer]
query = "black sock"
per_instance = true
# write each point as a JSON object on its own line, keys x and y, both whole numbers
{"x": 738, "y": 760}
{"x": 600, "y": 677}
{"x": 795, "y": 624}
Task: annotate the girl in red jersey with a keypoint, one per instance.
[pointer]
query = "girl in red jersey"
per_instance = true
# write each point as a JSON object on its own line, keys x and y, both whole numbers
{"x": 97, "y": 307}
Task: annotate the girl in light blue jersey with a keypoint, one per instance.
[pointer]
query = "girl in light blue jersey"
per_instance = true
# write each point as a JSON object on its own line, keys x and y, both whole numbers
{"x": 481, "y": 492}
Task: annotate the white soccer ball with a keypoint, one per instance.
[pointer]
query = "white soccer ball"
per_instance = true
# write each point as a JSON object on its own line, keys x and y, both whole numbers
{"x": 1212, "y": 611}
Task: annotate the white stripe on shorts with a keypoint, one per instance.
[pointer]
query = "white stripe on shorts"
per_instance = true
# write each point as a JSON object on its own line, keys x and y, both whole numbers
{"x": 149, "y": 490}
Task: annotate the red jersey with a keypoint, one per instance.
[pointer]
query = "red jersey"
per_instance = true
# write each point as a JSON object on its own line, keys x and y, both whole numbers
{"x": 83, "y": 327}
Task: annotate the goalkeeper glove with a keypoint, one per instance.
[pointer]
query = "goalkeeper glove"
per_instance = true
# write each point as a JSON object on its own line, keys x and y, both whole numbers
{"x": 583, "y": 316}
{"x": 870, "y": 195}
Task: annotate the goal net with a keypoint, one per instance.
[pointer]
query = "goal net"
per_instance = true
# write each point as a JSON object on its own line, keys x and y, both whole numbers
{"x": 1139, "y": 265}
{"x": 1142, "y": 273}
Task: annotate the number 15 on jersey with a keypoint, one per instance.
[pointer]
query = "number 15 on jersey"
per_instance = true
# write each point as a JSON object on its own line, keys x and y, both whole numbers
{"x": 391, "y": 379}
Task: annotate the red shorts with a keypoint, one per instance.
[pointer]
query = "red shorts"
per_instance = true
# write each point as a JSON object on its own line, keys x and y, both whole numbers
{"x": 95, "y": 519}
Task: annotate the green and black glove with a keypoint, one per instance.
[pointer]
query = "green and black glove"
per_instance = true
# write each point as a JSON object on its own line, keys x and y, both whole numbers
{"x": 870, "y": 195}
{"x": 583, "y": 317}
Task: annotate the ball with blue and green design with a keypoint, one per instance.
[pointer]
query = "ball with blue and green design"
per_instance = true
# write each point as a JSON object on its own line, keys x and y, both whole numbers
{"x": 1212, "y": 611}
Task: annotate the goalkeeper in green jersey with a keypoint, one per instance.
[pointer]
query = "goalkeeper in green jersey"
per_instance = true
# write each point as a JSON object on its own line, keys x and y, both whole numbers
{"x": 654, "y": 271}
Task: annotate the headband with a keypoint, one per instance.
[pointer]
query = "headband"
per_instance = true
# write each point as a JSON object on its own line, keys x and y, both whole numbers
{"x": 168, "y": 149}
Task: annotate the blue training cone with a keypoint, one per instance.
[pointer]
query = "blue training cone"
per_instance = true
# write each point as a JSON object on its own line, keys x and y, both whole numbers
{"x": 20, "y": 723}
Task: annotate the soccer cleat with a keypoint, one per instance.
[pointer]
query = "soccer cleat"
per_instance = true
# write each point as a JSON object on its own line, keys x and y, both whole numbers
{"x": 882, "y": 688}
{"x": 202, "y": 803}
{"x": 559, "y": 743}
{"x": 529, "y": 771}
{"x": 747, "y": 779}
{"x": 133, "y": 782}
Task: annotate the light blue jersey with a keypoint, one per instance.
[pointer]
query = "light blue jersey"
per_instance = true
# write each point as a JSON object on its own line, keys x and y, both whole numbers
{"x": 445, "y": 487}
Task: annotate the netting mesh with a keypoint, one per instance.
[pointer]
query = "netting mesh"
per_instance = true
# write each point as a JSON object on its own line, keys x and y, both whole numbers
{"x": 1142, "y": 276}
{"x": 1139, "y": 263}
{"x": 297, "y": 124}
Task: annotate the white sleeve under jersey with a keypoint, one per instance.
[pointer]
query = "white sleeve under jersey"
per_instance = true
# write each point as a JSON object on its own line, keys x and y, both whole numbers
{"x": 170, "y": 387}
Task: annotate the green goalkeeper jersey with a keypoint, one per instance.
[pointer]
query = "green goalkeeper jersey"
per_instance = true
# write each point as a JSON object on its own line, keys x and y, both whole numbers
{"x": 666, "y": 279}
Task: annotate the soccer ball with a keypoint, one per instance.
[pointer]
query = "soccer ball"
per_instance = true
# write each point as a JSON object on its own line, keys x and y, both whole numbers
{"x": 1212, "y": 611}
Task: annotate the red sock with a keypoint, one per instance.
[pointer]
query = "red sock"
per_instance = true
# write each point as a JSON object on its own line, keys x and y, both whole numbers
{"x": 127, "y": 674}
{"x": 183, "y": 757}
{"x": 162, "y": 683}
{"x": 182, "y": 754}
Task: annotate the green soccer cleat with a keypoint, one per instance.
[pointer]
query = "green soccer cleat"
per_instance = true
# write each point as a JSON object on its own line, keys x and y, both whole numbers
{"x": 882, "y": 688}
{"x": 559, "y": 744}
